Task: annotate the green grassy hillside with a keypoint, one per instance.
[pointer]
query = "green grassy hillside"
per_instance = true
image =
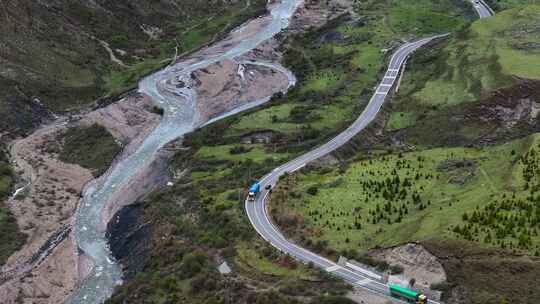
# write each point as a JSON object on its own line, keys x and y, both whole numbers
{"x": 338, "y": 66}
{"x": 389, "y": 199}
{"x": 481, "y": 58}
{"x": 456, "y": 161}
{"x": 460, "y": 88}
{"x": 444, "y": 101}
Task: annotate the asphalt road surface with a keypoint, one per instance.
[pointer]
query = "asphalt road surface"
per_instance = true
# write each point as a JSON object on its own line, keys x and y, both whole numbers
{"x": 257, "y": 211}
{"x": 482, "y": 8}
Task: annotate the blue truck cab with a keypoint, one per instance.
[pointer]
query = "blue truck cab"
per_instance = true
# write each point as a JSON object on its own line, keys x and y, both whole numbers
{"x": 253, "y": 191}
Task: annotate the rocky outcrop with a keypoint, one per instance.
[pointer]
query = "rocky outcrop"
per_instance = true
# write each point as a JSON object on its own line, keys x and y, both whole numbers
{"x": 130, "y": 238}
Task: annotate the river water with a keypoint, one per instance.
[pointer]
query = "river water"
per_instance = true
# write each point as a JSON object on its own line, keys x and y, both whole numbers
{"x": 180, "y": 117}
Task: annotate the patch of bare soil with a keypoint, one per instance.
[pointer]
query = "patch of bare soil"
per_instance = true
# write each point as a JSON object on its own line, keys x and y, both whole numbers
{"x": 418, "y": 264}
{"x": 129, "y": 120}
{"x": 520, "y": 102}
{"x": 48, "y": 204}
{"x": 228, "y": 84}
{"x": 46, "y": 270}
{"x": 315, "y": 13}
{"x": 363, "y": 296}
{"x": 507, "y": 113}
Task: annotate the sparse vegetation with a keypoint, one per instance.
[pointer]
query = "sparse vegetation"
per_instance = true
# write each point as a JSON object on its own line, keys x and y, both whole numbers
{"x": 158, "y": 110}
{"x": 487, "y": 275}
{"x": 395, "y": 198}
{"x": 511, "y": 220}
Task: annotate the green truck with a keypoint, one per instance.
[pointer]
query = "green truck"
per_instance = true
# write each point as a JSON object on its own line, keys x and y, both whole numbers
{"x": 408, "y": 295}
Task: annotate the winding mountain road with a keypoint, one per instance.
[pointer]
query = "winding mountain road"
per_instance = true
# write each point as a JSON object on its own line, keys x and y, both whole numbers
{"x": 257, "y": 210}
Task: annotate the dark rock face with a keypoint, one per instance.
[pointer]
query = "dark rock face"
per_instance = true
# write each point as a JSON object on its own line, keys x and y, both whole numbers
{"x": 129, "y": 238}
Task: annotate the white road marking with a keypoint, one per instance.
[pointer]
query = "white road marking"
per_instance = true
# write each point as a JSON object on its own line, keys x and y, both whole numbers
{"x": 363, "y": 271}
{"x": 363, "y": 282}
{"x": 333, "y": 268}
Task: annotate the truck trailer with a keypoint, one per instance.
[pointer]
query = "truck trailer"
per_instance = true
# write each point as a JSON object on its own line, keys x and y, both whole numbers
{"x": 253, "y": 191}
{"x": 408, "y": 295}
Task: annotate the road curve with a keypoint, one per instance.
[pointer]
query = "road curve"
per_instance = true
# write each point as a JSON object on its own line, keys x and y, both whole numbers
{"x": 257, "y": 211}
{"x": 482, "y": 9}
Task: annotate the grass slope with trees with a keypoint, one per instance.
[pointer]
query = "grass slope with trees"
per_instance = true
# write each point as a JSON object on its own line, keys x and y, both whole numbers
{"x": 455, "y": 162}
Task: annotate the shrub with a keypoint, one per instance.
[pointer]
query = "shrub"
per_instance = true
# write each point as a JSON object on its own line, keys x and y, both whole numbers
{"x": 299, "y": 113}
{"x": 193, "y": 263}
{"x": 442, "y": 286}
{"x": 239, "y": 150}
{"x": 91, "y": 147}
{"x": 119, "y": 40}
{"x": 313, "y": 190}
{"x": 158, "y": 110}
{"x": 396, "y": 269}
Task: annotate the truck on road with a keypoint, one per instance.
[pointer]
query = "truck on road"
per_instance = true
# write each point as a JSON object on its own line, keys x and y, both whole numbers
{"x": 408, "y": 295}
{"x": 253, "y": 191}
